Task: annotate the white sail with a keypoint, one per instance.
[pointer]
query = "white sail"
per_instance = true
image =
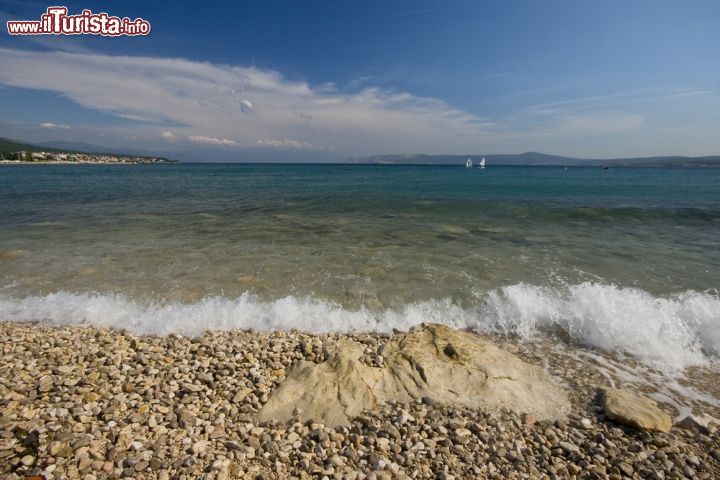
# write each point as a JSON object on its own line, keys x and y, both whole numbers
{"x": 468, "y": 164}
{"x": 482, "y": 163}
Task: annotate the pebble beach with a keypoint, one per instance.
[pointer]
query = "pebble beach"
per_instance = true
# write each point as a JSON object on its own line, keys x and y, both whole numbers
{"x": 360, "y": 241}
{"x": 85, "y": 402}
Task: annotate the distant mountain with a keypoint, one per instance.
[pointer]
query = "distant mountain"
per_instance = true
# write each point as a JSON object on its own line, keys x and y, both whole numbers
{"x": 8, "y": 145}
{"x": 528, "y": 158}
{"x": 90, "y": 148}
{"x": 535, "y": 158}
{"x": 73, "y": 146}
{"x": 667, "y": 161}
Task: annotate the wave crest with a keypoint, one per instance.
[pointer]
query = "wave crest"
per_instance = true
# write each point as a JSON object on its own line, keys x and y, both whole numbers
{"x": 668, "y": 332}
{"x": 671, "y": 332}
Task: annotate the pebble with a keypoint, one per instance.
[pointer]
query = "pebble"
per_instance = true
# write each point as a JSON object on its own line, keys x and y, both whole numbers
{"x": 569, "y": 447}
{"x": 585, "y": 423}
{"x": 81, "y": 402}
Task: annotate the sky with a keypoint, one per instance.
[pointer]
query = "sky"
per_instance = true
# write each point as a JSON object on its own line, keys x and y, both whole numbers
{"x": 327, "y": 80}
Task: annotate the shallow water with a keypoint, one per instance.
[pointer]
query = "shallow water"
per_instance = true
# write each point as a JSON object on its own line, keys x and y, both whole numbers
{"x": 625, "y": 259}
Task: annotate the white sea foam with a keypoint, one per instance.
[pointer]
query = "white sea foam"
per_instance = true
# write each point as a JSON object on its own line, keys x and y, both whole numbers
{"x": 670, "y": 332}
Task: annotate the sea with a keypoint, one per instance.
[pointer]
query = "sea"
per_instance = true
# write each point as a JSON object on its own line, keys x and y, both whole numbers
{"x": 621, "y": 260}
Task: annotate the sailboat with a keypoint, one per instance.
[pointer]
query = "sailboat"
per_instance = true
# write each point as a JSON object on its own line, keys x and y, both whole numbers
{"x": 468, "y": 164}
{"x": 482, "y": 163}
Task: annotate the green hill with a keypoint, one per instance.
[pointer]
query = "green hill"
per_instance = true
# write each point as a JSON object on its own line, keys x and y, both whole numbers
{"x": 7, "y": 146}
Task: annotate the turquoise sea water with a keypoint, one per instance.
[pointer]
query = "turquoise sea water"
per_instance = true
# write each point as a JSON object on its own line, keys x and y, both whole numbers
{"x": 363, "y": 247}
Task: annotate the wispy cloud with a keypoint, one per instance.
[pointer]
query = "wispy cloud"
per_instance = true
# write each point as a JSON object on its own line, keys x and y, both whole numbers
{"x": 222, "y": 142}
{"x": 287, "y": 143}
{"x": 694, "y": 93}
{"x": 54, "y": 125}
{"x": 168, "y": 136}
{"x": 182, "y": 101}
{"x": 615, "y": 99}
{"x": 243, "y": 104}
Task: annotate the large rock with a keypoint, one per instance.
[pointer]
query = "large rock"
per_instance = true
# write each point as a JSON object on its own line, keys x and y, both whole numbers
{"x": 634, "y": 410}
{"x": 435, "y": 361}
{"x": 337, "y": 389}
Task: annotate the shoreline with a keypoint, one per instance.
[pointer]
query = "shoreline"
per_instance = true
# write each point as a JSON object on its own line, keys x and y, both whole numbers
{"x": 85, "y": 400}
{"x": 12, "y": 162}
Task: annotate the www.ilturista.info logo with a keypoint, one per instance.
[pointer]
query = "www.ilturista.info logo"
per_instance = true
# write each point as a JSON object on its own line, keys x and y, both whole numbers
{"x": 56, "y": 21}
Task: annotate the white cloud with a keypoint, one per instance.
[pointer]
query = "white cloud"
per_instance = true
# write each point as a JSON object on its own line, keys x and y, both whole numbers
{"x": 243, "y": 103}
{"x": 212, "y": 141}
{"x": 286, "y": 143}
{"x": 54, "y": 125}
{"x": 168, "y": 136}
{"x": 252, "y": 107}
{"x": 247, "y": 104}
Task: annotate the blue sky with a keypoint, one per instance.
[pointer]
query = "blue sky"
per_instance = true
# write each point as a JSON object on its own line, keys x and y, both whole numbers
{"x": 329, "y": 79}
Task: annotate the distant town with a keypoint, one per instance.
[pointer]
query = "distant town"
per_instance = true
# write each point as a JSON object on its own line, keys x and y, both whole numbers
{"x": 72, "y": 157}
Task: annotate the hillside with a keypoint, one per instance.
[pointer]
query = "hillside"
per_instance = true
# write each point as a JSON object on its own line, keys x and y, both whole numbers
{"x": 9, "y": 149}
{"x": 7, "y": 145}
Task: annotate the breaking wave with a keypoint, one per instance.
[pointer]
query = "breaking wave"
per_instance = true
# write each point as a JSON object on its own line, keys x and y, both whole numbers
{"x": 670, "y": 332}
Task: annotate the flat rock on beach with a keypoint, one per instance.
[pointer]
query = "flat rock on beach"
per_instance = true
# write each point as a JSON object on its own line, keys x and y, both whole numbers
{"x": 635, "y": 410}
{"x": 432, "y": 361}
{"x": 80, "y": 402}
